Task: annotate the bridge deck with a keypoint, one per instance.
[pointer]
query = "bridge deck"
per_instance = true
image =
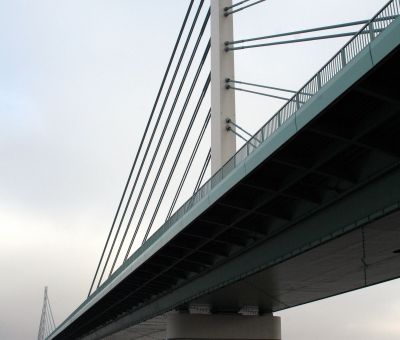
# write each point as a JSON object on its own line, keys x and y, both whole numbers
{"x": 286, "y": 216}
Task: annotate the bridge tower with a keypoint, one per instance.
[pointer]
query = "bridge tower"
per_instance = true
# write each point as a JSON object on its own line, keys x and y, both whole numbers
{"x": 223, "y": 143}
{"x": 46, "y": 325}
{"x": 201, "y": 323}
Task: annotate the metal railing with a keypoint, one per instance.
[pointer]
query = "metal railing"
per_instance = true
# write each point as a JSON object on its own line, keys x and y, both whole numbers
{"x": 361, "y": 40}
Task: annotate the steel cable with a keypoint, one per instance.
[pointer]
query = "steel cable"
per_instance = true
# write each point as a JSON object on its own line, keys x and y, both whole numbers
{"x": 162, "y": 135}
{"x": 143, "y": 138}
{"x": 188, "y": 167}
{"x": 51, "y": 314}
{"x": 308, "y": 30}
{"x": 229, "y": 121}
{"x": 203, "y": 171}
{"x": 256, "y": 92}
{"x": 153, "y": 134}
{"x": 235, "y": 5}
{"x": 179, "y": 153}
{"x": 293, "y": 41}
{"x": 229, "y": 128}
{"x": 227, "y": 12}
{"x": 264, "y": 86}
{"x": 171, "y": 140}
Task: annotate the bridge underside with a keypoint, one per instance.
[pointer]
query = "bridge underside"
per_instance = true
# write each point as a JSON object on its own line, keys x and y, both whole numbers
{"x": 364, "y": 256}
{"x": 328, "y": 202}
{"x": 318, "y": 217}
{"x": 337, "y": 182}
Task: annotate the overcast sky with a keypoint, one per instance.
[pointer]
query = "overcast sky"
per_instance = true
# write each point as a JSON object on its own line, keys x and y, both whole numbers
{"x": 77, "y": 83}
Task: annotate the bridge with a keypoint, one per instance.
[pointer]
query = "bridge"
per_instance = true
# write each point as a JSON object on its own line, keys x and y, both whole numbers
{"x": 307, "y": 208}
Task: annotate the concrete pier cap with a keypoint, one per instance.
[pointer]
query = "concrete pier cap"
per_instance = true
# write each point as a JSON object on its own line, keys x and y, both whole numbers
{"x": 223, "y": 326}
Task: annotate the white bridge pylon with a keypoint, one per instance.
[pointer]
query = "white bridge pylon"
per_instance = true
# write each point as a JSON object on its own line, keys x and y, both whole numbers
{"x": 47, "y": 324}
{"x": 191, "y": 325}
{"x": 223, "y": 143}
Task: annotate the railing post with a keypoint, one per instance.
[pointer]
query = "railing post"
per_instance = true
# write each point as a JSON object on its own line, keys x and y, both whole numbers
{"x": 343, "y": 56}
{"x": 223, "y": 143}
{"x": 319, "y": 83}
{"x": 371, "y": 30}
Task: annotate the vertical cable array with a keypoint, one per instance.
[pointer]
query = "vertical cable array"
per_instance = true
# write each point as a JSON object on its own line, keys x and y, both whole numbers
{"x": 189, "y": 165}
{"x": 185, "y": 20}
{"x": 183, "y": 143}
{"x": 153, "y": 158}
{"x": 162, "y": 137}
{"x": 160, "y": 156}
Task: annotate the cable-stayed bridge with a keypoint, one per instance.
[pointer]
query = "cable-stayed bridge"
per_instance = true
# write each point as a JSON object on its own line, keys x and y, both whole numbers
{"x": 47, "y": 324}
{"x": 306, "y": 208}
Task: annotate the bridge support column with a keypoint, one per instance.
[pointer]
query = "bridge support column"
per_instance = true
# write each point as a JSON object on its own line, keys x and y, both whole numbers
{"x": 223, "y": 143}
{"x": 223, "y": 326}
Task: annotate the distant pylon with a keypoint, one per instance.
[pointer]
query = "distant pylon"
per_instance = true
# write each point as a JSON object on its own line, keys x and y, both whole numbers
{"x": 47, "y": 325}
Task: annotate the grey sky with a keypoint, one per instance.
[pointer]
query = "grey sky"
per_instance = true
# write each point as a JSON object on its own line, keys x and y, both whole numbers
{"x": 77, "y": 82}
